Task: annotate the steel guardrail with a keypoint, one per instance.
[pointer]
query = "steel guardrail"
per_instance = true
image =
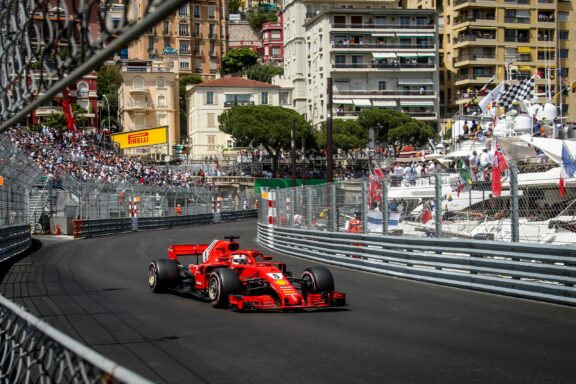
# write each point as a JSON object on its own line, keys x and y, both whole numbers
{"x": 33, "y": 351}
{"x": 14, "y": 240}
{"x": 534, "y": 271}
{"x": 92, "y": 228}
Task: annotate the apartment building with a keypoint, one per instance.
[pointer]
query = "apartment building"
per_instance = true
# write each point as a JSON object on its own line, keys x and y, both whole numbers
{"x": 509, "y": 39}
{"x": 378, "y": 56}
{"x": 273, "y": 41}
{"x": 206, "y": 101}
{"x": 148, "y": 98}
{"x": 195, "y": 36}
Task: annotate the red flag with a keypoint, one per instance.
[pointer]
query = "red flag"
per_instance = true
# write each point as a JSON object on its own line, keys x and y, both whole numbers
{"x": 561, "y": 186}
{"x": 70, "y": 120}
{"x": 426, "y": 216}
{"x": 497, "y": 166}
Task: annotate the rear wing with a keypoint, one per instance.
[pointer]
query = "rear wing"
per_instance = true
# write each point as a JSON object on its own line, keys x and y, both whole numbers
{"x": 186, "y": 250}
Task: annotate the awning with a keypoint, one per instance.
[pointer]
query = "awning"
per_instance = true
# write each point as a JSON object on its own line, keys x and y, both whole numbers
{"x": 525, "y": 68}
{"x": 362, "y": 102}
{"x": 407, "y": 54}
{"x": 386, "y": 34}
{"x": 416, "y": 103}
{"x": 384, "y": 103}
{"x": 415, "y": 81}
{"x": 482, "y": 27}
{"x": 524, "y": 50}
{"x": 383, "y": 55}
{"x": 426, "y": 54}
{"x": 518, "y": 26}
{"x": 342, "y": 101}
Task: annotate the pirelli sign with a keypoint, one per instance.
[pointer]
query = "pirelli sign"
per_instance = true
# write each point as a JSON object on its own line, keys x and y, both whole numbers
{"x": 141, "y": 138}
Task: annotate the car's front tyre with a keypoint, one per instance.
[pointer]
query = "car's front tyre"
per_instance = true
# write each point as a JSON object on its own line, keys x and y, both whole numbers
{"x": 317, "y": 279}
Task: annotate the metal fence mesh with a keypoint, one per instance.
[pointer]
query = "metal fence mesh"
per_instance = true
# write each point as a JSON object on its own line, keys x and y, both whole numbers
{"x": 536, "y": 205}
{"x": 18, "y": 176}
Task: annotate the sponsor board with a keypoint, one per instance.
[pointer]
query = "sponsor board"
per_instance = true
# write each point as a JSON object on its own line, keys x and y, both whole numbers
{"x": 141, "y": 138}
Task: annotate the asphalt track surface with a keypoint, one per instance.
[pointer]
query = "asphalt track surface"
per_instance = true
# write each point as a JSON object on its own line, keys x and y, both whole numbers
{"x": 393, "y": 331}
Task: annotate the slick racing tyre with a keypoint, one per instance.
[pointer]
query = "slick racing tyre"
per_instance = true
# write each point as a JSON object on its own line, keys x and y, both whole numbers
{"x": 163, "y": 274}
{"x": 317, "y": 280}
{"x": 223, "y": 282}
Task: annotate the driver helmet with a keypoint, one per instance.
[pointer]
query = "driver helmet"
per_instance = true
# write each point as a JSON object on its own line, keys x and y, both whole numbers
{"x": 239, "y": 259}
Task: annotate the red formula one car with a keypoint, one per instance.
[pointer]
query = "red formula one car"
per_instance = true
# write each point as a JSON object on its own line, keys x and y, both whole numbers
{"x": 242, "y": 279}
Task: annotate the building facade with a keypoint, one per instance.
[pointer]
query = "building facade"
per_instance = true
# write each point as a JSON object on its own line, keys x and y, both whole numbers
{"x": 509, "y": 39}
{"x": 206, "y": 101}
{"x": 273, "y": 42}
{"x": 377, "y": 54}
{"x": 148, "y": 98}
{"x": 195, "y": 37}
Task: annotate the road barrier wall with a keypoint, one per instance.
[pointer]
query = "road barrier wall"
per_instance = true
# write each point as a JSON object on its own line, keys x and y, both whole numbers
{"x": 532, "y": 271}
{"x": 92, "y": 228}
{"x": 14, "y": 240}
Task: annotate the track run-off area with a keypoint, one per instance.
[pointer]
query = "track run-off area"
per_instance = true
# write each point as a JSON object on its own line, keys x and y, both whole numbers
{"x": 392, "y": 331}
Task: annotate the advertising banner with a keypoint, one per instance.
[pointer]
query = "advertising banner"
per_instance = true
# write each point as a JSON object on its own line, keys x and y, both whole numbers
{"x": 141, "y": 138}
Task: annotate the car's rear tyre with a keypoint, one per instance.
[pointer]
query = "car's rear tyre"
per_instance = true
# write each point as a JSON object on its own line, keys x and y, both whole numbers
{"x": 317, "y": 280}
{"x": 163, "y": 274}
{"x": 223, "y": 282}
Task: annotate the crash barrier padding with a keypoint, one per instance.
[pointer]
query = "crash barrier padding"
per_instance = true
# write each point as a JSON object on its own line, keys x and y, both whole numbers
{"x": 541, "y": 272}
{"x": 91, "y": 228}
{"x": 14, "y": 240}
{"x": 32, "y": 348}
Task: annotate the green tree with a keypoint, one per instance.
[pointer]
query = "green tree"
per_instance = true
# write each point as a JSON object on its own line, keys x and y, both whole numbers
{"x": 413, "y": 132}
{"x": 258, "y": 16}
{"x": 347, "y": 135}
{"x": 182, "y": 83}
{"x": 234, "y": 5}
{"x": 56, "y": 121}
{"x": 265, "y": 125}
{"x": 382, "y": 120}
{"x": 107, "y": 82}
{"x": 78, "y": 113}
{"x": 264, "y": 72}
{"x": 238, "y": 59}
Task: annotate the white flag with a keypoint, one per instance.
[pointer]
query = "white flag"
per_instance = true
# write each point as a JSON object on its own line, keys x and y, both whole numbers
{"x": 490, "y": 97}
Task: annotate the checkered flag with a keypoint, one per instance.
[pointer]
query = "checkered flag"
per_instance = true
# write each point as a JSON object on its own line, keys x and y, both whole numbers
{"x": 523, "y": 90}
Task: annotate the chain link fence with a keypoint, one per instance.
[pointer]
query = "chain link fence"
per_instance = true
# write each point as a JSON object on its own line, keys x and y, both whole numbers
{"x": 535, "y": 204}
{"x": 18, "y": 176}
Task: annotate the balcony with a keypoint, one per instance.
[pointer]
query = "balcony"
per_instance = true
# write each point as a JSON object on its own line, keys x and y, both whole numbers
{"x": 387, "y": 92}
{"x": 517, "y": 20}
{"x": 475, "y": 3}
{"x": 144, "y": 69}
{"x": 473, "y": 37}
{"x": 465, "y": 19}
{"x": 383, "y": 45}
{"x": 474, "y": 78}
{"x": 229, "y": 104}
{"x": 48, "y": 110}
{"x": 134, "y": 106}
{"x": 474, "y": 57}
{"x": 185, "y": 51}
{"x": 135, "y": 91}
{"x": 383, "y": 65}
{"x": 400, "y": 27}
{"x": 519, "y": 39}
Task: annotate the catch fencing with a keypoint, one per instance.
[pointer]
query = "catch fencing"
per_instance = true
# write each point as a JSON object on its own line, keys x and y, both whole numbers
{"x": 536, "y": 204}
{"x": 33, "y": 351}
{"x": 534, "y": 271}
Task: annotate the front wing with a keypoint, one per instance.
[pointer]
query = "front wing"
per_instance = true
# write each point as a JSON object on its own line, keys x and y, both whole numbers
{"x": 269, "y": 303}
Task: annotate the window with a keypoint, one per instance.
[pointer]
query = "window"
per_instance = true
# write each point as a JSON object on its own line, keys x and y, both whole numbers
{"x": 211, "y": 11}
{"x": 212, "y": 48}
{"x": 184, "y": 65}
{"x": 211, "y": 118}
{"x": 264, "y": 98}
{"x": 84, "y": 104}
{"x": 339, "y": 20}
{"x": 212, "y": 32}
{"x": 563, "y": 35}
{"x": 210, "y": 98}
{"x": 183, "y": 29}
{"x": 230, "y": 144}
{"x": 381, "y": 85}
{"x": 160, "y": 82}
{"x": 284, "y": 98}
{"x": 275, "y": 35}
{"x": 139, "y": 120}
{"x": 563, "y": 16}
{"x": 184, "y": 46}
{"x": 166, "y": 27}
{"x": 82, "y": 89}
{"x": 161, "y": 100}
{"x": 162, "y": 118}
{"x": 197, "y": 30}
{"x": 379, "y": 20}
{"x": 563, "y": 54}
{"x": 211, "y": 140}
{"x": 196, "y": 11}
{"x": 275, "y": 51}
{"x": 166, "y": 42}
{"x": 340, "y": 59}
{"x": 151, "y": 41}
{"x": 137, "y": 83}
{"x": 183, "y": 11}
{"x": 404, "y": 20}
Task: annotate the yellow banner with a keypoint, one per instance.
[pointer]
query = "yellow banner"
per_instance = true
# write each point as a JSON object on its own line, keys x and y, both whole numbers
{"x": 141, "y": 138}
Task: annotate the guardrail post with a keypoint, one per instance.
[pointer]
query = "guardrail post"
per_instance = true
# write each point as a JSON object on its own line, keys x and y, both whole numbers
{"x": 384, "y": 207}
{"x": 438, "y": 205}
{"x": 364, "y": 206}
{"x": 291, "y": 210}
{"x": 308, "y": 206}
{"x": 514, "y": 217}
{"x": 333, "y": 213}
